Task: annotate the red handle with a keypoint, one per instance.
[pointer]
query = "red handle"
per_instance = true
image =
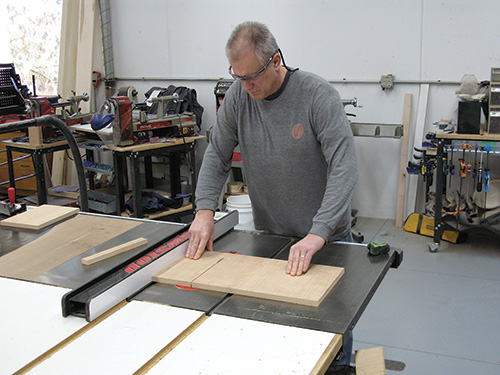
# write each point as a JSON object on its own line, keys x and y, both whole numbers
{"x": 12, "y": 194}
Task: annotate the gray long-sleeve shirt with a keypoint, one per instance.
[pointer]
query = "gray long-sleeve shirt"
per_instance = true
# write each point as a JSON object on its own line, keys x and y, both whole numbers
{"x": 298, "y": 154}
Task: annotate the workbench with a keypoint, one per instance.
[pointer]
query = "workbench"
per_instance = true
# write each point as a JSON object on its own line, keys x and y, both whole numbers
{"x": 172, "y": 149}
{"x": 166, "y": 329}
{"x": 444, "y": 139}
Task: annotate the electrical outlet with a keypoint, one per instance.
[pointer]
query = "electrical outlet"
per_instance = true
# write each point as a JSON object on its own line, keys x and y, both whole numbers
{"x": 387, "y": 81}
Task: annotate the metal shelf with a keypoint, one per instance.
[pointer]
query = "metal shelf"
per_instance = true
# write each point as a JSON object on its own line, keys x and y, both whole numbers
{"x": 377, "y": 130}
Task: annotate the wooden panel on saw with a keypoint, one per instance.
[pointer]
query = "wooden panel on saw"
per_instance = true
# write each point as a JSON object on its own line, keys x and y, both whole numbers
{"x": 40, "y": 217}
{"x": 185, "y": 270}
{"x": 254, "y": 277}
{"x": 65, "y": 241}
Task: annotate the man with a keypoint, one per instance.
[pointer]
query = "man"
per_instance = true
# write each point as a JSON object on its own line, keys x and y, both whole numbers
{"x": 297, "y": 148}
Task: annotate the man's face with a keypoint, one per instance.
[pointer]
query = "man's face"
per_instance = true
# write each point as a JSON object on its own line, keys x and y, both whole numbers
{"x": 266, "y": 83}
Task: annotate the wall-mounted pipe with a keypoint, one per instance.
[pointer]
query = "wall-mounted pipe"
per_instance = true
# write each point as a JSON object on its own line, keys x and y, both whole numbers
{"x": 340, "y": 80}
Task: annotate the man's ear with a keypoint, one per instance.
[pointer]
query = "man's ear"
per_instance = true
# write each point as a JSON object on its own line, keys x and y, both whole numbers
{"x": 276, "y": 61}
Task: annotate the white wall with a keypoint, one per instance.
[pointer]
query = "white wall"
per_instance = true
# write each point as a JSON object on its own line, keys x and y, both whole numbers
{"x": 415, "y": 40}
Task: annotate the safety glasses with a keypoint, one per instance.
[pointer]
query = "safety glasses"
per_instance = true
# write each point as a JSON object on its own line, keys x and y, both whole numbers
{"x": 252, "y": 76}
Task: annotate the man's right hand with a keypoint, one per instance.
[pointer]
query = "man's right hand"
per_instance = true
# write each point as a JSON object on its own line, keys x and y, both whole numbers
{"x": 201, "y": 234}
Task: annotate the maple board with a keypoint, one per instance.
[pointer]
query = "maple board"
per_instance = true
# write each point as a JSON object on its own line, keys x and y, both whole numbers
{"x": 115, "y": 250}
{"x": 40, "y": 217}
{"x": 253, "y": 277}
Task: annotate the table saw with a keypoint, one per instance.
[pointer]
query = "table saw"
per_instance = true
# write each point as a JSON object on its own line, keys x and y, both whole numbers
{"x": 65, "y": 317}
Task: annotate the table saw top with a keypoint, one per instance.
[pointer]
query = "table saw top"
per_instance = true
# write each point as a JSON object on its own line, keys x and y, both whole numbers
{"x": 53, "y": 255}
{"x": 336, "y": 316}
{"x": 338, "y": 313}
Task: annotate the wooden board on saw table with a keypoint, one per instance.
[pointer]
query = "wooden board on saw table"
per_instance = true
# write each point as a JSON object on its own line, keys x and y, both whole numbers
{"x": 115, "y": 250}
{"x": 253, "y": 277}
{"x": 65, "y": 241}
{"x": 40, "y": 217}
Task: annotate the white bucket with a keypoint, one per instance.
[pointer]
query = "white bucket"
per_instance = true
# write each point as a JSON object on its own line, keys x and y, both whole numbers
{"x": 242, "y": 204}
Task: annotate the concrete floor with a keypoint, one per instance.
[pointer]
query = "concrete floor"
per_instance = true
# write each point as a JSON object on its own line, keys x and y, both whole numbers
{"x": 438, "y": 313}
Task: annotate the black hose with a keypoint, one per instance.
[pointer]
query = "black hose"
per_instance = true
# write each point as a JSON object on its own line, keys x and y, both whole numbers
{"x": 49, "y": 120}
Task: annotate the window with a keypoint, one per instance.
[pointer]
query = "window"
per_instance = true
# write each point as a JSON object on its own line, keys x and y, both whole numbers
{"x": 29, "y": 37}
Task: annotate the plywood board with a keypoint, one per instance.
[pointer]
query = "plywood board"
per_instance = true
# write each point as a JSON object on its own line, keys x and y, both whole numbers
{"x": 40, "y": 217}
{"x": 31, "y": 322}
{"x": 248, "y": 347}
{"x": 123, "y": 342}
{"x": 65, "y": 241}
{"x": 254, "y": 277}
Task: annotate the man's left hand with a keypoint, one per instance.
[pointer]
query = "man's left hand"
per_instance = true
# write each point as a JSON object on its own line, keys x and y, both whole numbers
{"x": 301, "y": 254}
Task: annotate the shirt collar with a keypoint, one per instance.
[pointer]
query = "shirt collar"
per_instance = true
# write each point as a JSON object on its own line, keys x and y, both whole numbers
{"x": 282, "y": 87}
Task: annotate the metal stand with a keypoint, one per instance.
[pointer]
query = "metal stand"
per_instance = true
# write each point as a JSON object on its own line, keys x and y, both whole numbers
{"x": 173, "y": 152}
{"x": 38, "y": 164}
{"x": 54, "y": 121}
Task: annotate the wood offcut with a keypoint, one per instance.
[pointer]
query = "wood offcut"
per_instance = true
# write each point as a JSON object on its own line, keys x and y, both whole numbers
{"x": 40, "y": 217}
{"x": 111, "y": 252}
{"x": 370, "y": 361}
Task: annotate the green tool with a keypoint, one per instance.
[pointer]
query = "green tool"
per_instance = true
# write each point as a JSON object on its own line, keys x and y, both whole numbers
{"x": 378, "y": 247}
